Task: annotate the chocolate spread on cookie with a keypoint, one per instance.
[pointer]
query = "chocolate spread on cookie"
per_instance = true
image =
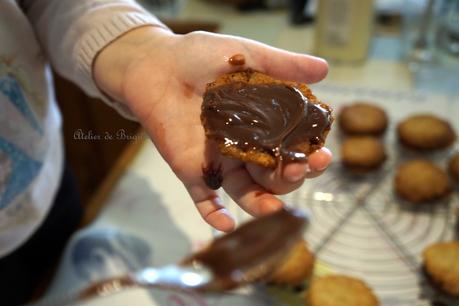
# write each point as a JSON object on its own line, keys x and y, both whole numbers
{"x": 273, "y": 118}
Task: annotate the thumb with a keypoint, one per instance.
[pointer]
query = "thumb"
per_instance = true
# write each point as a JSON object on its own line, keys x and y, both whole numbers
{"x": 286, "y": 65}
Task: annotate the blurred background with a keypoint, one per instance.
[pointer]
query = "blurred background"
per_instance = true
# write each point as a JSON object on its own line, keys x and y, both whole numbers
{"x": 410, "y": 45}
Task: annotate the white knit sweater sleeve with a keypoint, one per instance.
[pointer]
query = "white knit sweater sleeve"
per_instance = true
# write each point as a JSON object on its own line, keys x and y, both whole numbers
{"x": 73, "y": 32}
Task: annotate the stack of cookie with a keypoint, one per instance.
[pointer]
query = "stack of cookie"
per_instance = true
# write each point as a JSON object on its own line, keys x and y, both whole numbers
{"x": 363, "y": 123}
{"x": 420, "y": 180}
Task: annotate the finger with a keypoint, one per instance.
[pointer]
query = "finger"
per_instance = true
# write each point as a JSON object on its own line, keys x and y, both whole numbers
{"x": 281, "y": 180}
{"x": 289, "y": 177}
{"x": 287, "y": 65}
{"x": 250, "y": 196}
{"x": 320, "y": 160}
{"x": 210, "y": 207}
{"x": 294, "y": 172}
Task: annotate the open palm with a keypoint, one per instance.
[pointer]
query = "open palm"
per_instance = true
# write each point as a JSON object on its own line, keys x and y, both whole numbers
{"x": 164, "y": 89}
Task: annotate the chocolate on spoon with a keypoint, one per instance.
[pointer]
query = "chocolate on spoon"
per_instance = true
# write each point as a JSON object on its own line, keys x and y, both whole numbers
{"x": 248, "y": 254}
{"x": 251, "y": 251}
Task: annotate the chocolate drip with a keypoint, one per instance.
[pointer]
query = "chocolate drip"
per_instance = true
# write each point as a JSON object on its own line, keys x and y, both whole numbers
{"x": 272, "y": 118}
{"x": 212, "y": 176}
{"x": 237, "y": 60}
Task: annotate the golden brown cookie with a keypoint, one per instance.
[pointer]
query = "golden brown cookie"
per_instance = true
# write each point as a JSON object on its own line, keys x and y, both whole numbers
{"x": 425, "y": 132}
{"x": 362, "y": 153}
{"x": 421, "y": 181}
{"x": 457, "y": 220}
{"x": 256, "y": 118}
{"x": 295, "y": 268}
{"x": 363, "y": 118}
{"x": 441, "y": 263}
{"x": 453, "y": 167}
{"x": 338, "y": 290}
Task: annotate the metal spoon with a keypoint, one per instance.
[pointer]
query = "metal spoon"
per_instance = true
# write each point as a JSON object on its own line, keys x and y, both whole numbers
{"x": 243, "y": 256}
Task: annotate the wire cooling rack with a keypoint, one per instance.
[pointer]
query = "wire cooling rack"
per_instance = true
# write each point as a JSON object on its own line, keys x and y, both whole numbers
{"x": 360, "y": 227}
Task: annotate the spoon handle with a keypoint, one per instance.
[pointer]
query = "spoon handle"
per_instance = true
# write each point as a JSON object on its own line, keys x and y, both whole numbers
{"x": 171, "y": 277}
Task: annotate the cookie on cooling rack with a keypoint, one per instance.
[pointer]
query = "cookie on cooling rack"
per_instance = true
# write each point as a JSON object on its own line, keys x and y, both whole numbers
{"x": 340, "y": 290}
{"x": 457, "y": 221}
{"x": 363, "y": 118}
{"x": 256, "y": 118}
{"x": 453, "y": 167}
{"x": 361, "y": 154}
{"x": 420, "y": 181}
{"x": 441, "y": 263}
{"x": 425, "y": 132}
{"x": 295, "y": 268}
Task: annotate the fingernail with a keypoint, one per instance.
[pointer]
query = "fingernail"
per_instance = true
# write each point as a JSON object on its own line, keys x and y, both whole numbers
{"x": 325, "y": 159}
{"x": 321, "y": 168}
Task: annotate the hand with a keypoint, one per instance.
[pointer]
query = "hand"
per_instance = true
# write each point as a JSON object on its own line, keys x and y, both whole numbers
{"x": 162, "y": 77}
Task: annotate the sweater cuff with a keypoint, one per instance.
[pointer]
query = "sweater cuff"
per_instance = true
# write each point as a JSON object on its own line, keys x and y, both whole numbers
{"x": 98, "y": 38}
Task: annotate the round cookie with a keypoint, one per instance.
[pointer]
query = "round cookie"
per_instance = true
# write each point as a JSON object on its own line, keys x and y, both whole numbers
{"x": 362, "y": 153}
{"x": 241, "y": 114}
{"x": 441, "y": 263}
{"x": 457, "y": 220}
{"x": 295, "y": 268}
{"x": 363, "y": 118}
{"x": 453, "y": 167}
{"x": 337, "y": 290}
{"x": 425, "y": 132}
{"x": 421, "y": 181}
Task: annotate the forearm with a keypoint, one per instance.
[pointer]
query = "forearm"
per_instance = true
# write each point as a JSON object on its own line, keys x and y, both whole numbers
{"x": 72, "y": 33}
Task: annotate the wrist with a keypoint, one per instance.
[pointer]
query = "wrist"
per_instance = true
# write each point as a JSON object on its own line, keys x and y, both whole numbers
{"x": 113, "y": 62}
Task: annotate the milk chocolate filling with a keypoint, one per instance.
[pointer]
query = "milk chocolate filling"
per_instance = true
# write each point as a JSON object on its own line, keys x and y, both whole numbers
{"x": 273, "y": 118}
